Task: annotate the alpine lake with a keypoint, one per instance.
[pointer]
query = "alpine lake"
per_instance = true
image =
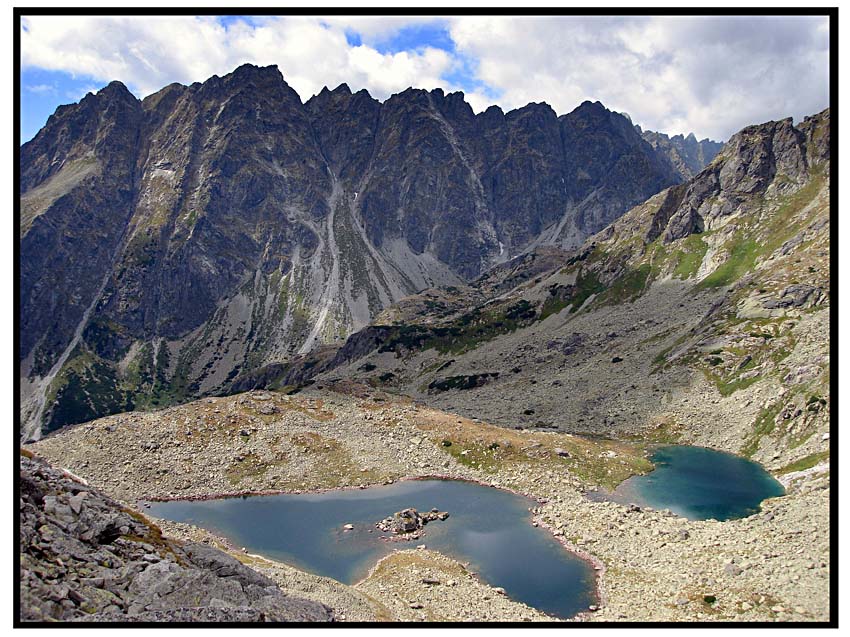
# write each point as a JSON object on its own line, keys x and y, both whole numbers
{"x": 334, "y": 533}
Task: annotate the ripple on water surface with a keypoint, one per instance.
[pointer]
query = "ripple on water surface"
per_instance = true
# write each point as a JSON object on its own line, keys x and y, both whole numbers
{"x": 489, "y": 528}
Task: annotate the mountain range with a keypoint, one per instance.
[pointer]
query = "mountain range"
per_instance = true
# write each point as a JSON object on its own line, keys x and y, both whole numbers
{"x": 171, "y": 244}
{"x": 235, "y": 293}
{"x": 702, "y": 312}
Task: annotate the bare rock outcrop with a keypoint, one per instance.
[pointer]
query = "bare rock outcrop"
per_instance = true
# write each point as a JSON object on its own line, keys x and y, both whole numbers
{"x": 84, "y": 557}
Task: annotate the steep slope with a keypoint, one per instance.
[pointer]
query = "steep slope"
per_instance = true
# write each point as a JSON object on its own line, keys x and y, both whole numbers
{"x": 702, "y": 314}
{"x": 84, "y": 557}
{"x": 687, "y": 155}
{"x": 171, "y": 244}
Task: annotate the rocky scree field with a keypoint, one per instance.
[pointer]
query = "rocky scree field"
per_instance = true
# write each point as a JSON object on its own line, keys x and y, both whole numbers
{"x": 771, "y": 566}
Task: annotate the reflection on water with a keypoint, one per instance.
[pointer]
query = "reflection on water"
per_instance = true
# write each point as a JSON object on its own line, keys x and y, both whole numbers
{"x": 488, "y": 528}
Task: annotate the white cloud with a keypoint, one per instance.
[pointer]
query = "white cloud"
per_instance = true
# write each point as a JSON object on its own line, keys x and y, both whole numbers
{"x": 374, "y": 29}
{"x": 708, "y": 75}
{"x": 146, "y": 54}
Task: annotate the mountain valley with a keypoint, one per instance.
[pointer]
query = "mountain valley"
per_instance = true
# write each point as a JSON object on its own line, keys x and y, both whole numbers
{"x": 228, "y": 292}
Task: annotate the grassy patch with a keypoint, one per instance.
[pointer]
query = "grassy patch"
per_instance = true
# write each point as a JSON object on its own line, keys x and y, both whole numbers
{"x": 587, "y": 284}
{"x": 464, "y": 333}
{"x": 729, "y": 387}
{"x": 741, "y": 258}
{"x": 744, "y": 249}
{"x": 329, "y": 464}
{"x": 596, "y": 461}
{"x": 764, "y": 426}
{"x": 627, "y": 286}
{"x": 251, "y": 466}
{"x": 153, "y": 535}
{"x": 462, "y": 382}
{"x": 85, "y": 389}
{"x": 663, "y": 433}
{"x": 689, "y": 259}
{"x": 804, "y": 463}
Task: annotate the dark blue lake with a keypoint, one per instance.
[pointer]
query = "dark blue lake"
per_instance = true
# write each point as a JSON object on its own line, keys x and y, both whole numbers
{"x": 701, "y": 484}
{"x": 489, "y": 528}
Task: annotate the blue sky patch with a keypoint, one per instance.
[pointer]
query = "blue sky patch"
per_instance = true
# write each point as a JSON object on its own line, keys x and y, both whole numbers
{"x": 353, "y": 38}
{"x": 43, "y": 91}
{"x": 417, "y": 36}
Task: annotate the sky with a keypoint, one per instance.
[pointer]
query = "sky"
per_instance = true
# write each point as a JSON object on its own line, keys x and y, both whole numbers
{"x": 707, "y": 75}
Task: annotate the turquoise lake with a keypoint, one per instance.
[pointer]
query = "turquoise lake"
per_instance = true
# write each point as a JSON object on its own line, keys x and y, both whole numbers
{"x": 701, "y": 484}
{"x": 488, "y": 528}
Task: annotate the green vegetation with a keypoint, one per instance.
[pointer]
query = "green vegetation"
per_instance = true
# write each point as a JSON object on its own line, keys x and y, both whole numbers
{"x": 587, "y": 284}
{"x": 744, "y": 248}
{"x": 689, "y": 259}
{"x": 804, "y": 463}
{"x": 741, "y": 258}
{"x": 627, "y": 286}
{"x": 764, "y": 425}
{"x": 462, "y": 382}
{"x": 283, "y": 297}
{"x": 815, "y": 402}
{"x": 764, "y": 335}
{"x": 153, "y": 535}
{"x": 463, "y": 334}
{"x": 250, "y": 466}
{"x": 106, "y": 338}
{"x": 85, "y": 389}
{"x": 729, "y": 387}
{"x": 143, "y": 249}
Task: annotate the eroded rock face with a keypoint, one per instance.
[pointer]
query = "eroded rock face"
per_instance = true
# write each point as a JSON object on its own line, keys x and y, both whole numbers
{"x": 171, "y": 244}
{"x": 770, "y": 155}
{"x": 85, "y": 558}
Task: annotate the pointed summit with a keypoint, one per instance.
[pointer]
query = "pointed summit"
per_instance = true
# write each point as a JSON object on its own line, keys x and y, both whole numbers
{"x": 114, "y": 87}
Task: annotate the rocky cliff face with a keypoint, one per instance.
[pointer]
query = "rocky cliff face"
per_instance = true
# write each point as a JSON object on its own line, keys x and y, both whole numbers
{"x": 86, "y": 558}
{"x": 687, "y": 155}
{"x": 171, "y": 244}
{"x": 703, "y": 311}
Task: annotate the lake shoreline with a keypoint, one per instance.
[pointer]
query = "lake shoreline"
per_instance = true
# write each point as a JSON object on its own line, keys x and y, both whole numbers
{"x": 652, "y": 572}
{"x": 535, "y": 519}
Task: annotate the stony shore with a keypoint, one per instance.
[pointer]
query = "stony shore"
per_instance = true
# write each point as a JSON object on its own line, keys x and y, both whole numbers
{"x": 652, "y": 565}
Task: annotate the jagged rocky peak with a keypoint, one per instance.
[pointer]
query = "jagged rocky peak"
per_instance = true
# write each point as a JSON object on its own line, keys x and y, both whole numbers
{"x": 253, "y": 73}
{"x": 117, "y": 90}
{"x": 98, "y": 128}
{"x": 687, "y": 155}
{"x": 590, "y": 108}
{"x": 214, "y": 228}
{"x": 774, "y": 155}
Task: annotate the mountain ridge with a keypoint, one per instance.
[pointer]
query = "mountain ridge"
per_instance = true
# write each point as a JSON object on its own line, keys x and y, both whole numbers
{"x": 709, "y": 288}
{"x": 226, "y": 224}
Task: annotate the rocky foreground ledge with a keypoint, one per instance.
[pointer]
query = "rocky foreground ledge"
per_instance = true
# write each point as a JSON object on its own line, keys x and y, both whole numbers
{"x": 84, "y": 557}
